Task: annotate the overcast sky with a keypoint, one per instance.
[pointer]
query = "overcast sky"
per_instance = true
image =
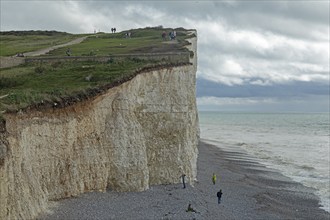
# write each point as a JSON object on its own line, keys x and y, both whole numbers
{"x": 252, "y": 55}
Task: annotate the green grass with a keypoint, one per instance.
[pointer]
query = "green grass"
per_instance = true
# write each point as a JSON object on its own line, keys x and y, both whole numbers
{"x": 32, "y": 84}
{"x": 11, "y": 44}
{"x": 141, "y": 41}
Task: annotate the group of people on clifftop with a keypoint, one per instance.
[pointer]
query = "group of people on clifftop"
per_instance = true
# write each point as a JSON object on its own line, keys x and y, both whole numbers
{"x": 171, "y": 35}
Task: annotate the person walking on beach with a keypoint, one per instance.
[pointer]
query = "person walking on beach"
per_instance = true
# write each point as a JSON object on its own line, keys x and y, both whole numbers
{"x": 190, "y": 209}
{"x": 183, "y": 180}
{"x": 214, "y": 178}
{"x": 219, "y": 194}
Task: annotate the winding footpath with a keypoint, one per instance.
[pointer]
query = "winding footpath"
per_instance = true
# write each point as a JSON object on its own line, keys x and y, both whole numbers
{"x": 46, "y": 50}
{"x": 13, "y": 61}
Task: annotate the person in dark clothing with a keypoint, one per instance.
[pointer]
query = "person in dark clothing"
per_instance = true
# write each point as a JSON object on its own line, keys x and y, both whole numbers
{"x": 164, "y": 35}
{"x": 68, "y": 52}
{"x": 190, "y": 209}
{"x": 219, "y": 194}
{"x": 183, "y": 180}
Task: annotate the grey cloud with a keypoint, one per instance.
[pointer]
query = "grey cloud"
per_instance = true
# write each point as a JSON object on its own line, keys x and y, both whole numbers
{"x": 297, "y": 19}
{"x": 36, "y": 15}
{"x": 279, "y": 17}
{"x": 213, "y": 65}
{"x": 294, "y": 89}
{"x": 294, "y": 96}
{"x": 314, "y": 11}
{"x": 307, "y": 104}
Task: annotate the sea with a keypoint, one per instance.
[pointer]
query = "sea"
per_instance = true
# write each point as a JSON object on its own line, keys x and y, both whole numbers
{"x": 295, "y": 144}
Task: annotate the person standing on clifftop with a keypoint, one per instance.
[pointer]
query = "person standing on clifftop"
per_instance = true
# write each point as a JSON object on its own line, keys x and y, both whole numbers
{"x": 183, "y": 180}
{"x": 164, "y": 35}
{"x": 68, "y": 52}
{"x": 214, "y": 178}
{"x": 219, "y": 194}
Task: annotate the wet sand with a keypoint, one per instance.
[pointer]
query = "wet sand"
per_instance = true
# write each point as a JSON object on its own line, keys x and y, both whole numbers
{"x": 250, "y": 191}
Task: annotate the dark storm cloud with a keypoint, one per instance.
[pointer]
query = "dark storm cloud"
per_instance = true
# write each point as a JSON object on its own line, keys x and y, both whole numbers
{"x": 292, "y": 89}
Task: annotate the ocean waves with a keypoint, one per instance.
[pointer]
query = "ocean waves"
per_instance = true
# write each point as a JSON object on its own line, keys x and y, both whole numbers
{"x": 297, "y": 145}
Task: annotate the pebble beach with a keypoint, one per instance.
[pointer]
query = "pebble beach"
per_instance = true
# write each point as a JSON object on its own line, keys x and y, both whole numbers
{"x": 250, "y": 191}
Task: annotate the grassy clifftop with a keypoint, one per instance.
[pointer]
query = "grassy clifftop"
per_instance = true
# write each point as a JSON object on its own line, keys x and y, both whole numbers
{"x": 13, "y": 42}
{"x": 143, "y": 40}
{"x": 40, "y": 84}
{"x": 146, "y": 40}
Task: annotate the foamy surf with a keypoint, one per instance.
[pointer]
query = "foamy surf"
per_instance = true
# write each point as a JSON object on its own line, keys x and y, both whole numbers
{"x": 297, "y": 145}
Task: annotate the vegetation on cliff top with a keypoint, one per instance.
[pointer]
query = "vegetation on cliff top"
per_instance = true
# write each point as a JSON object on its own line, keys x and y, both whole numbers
{"x": 44, "y": 84}
{"x": 146, "y": 40}
{"x": 13, "y": 42}
{"x": 53, "y": 83}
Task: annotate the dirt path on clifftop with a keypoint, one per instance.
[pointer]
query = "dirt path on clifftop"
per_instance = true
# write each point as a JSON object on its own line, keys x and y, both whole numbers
{"x": 46, "y": 50}
{"x": 6, "y": 62}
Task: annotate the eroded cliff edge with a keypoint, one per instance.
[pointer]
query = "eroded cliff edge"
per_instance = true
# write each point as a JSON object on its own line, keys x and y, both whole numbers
{"x": 141, "y": 133}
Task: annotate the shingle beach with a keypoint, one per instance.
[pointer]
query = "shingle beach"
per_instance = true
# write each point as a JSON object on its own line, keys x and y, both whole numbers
{"x": 250, "y": 191}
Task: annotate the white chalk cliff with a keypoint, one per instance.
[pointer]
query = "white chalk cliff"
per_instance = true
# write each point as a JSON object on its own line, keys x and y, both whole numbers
{"x": 141, "y": 133}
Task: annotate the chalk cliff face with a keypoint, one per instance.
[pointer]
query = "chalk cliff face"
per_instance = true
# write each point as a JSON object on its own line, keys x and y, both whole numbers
{"x": 141, "y": 133}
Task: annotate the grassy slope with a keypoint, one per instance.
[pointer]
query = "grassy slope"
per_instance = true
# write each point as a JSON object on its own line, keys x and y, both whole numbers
{"x": 31, "y": 83}
{"x": 11, "y": 44}
{"x": 141, "y": 41}
{"x": 50, "y": 82}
